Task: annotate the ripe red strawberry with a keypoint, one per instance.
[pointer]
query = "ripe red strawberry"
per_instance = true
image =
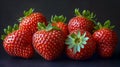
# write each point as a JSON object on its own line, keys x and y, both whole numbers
{"x": 48, "y": 41}
{"x": 31, "y": 19}
{"x": 80, "y": 45}
{"x": 59, "y": 21}
{"x": 106, "y": 39}
{"x": 18, "y": 42}
{"x": 84, "y": 20}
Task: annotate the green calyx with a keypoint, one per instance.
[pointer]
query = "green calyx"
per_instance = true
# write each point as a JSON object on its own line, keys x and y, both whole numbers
{"x": 76, "y": 41}
{"x": 87, "y": 14}
{"x": 9, "y": 30}
{"x": 56, "y": 18}
{"x": 26, "y": 13}
{"x": 49, "y": 27}
{"x": 107, "y": 24}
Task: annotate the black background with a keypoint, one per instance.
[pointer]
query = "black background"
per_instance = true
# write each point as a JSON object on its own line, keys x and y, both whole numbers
{"x": 11, "y": 10}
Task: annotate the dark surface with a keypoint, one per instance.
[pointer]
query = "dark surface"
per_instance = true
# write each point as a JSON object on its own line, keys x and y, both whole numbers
{"x": 11, "y": 10}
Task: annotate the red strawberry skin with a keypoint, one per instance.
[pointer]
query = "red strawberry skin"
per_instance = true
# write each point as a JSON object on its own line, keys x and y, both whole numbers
{"x": 49, "y": 45}
{"x": 31, "y": 21}
{"x": 80, "y": 23}
{"x": 86, "y": 52}
{"x": 19, "y": 44}
{"x": 106, "y": 42}
{"x": 63, "y": 27}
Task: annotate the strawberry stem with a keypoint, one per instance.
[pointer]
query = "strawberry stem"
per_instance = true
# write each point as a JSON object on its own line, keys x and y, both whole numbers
{"x": 107, "y": 24}
{"x": 26, "y": 13}
{"x": 49, "y": 27}
{"x": 76, "y": 41}
{"x": 87, "y": 14}
{"x": 41, "y": 26}
{"x": 9, "y": 30}
{"x": 77, "y": 12}
{"x": 56, "y": 18}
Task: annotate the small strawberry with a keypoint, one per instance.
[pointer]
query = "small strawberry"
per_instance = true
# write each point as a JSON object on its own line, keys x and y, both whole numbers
{"x": 106, "y": 39}
{"x": 84, "y": 20}
{"x": 80, "y": 45}
{"x": 59, "y": 21}
{"x": 31, "y": 19}
{"x": 49, "y": 41}
{"x": 17, "y": 42}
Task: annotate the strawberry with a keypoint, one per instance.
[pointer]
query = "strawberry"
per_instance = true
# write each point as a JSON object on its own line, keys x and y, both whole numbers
{"x": 106, "y": 39}
{"x": 80, "y": 45}
{"x": 48, "y": 41}
{"x": 18, "y": 42}
{"x": 58, "y": 21}
{"x": 84, "y": 20}
{"x": 31, "y": 19}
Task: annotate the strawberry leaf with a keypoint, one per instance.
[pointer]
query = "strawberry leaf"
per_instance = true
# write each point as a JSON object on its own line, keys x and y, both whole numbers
{"x": 55, "y": 28}
{"x": 26, "y": 13}
{"x": 56, "y": 18}
{"x": 87, "y": 14}
{"x": 42, "y": 26}
{"x": 49, "y": 27}
{"x": 9, "y": 30}
{"x": 3, "y": 36}
{"x": 111, "y": 27}
{"x": 76, "y": 41}
{"x": 107, "y": 24}
{"x": 77, "y": 12}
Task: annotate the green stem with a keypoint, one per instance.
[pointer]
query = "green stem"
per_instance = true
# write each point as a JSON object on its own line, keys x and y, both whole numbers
{"x": 77, "y": 12}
